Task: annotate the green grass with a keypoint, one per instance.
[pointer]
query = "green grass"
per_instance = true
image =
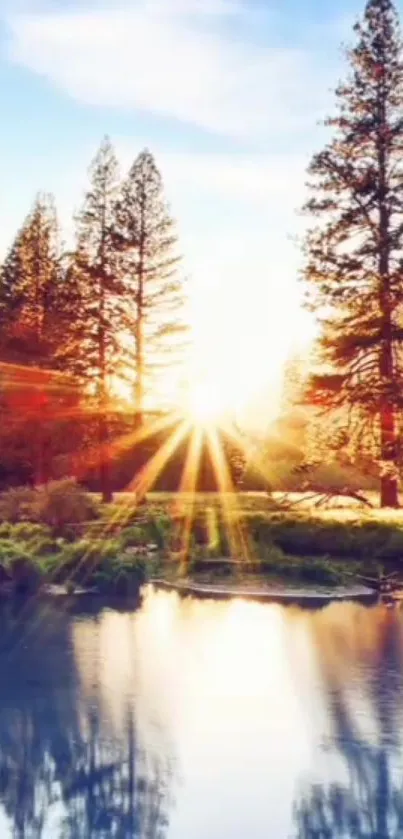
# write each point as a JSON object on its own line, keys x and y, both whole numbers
{"x": 125, "y": 545}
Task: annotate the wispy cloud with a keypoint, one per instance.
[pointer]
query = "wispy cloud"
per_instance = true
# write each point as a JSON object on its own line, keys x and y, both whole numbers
{"x": 173, "y": 58}
{"x": 258, "y": 178}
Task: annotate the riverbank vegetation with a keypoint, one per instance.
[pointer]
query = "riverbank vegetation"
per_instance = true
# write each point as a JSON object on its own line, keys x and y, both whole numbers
{"x": 62, "y": 535}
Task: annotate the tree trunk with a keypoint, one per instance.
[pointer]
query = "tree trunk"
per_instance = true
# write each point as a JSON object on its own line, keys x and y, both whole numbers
{"x": 139, "y": 396}
{"x": 139, "y": 332}
{"x": 387, "y": 418}
{"x": 139, "y": 337}
{"x": 104, "y": 470}
{"x": 41, "y": 472}
{"x": 104, "y": 480}
{"x": 139, "y": 383}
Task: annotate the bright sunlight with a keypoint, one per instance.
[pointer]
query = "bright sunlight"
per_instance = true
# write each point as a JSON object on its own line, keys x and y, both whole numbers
{"x": 205, "y": 405}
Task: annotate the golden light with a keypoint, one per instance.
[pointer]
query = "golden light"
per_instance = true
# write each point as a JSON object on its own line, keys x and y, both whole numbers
{"x": 188, "y": 486}
{"x": 205, "y": 404}
{"x": 232, "y": 520}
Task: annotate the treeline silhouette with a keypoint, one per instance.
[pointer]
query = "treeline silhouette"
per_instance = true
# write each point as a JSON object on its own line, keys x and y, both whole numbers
{"x": 78, "y": 325}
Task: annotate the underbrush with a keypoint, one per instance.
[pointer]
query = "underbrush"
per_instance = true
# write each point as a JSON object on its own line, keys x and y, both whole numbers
{"x": 61, "y": 534}
{"x": 58, "y": 505}
{"x": 366, "y": 538}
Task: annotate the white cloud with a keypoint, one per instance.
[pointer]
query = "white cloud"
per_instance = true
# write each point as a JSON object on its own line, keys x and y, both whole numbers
{"x": 159, "y": 56}
{"x": 263, "y": 178}
{"x": 203, "y": 8}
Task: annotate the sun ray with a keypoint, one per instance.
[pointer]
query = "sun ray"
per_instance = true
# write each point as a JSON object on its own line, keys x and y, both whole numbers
{"x": 185, "y": 508}
{"x": 150, "y": 472}
{"x": 114, "y": 448}
{"x": 228, "y": 499}
{"x": 138, "y": 485}
{"x": 248, "y": 450}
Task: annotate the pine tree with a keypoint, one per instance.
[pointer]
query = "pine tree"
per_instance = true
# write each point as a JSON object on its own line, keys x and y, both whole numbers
{"x": 30, "y": 290}
{"x": 96, "y": 270}
{"x": 35, "y": 346}
{"x": 148, "y": 242}
{"x": 354, "y": 254}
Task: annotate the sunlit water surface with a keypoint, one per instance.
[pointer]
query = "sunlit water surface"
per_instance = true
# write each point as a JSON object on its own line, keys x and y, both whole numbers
{"x": 200, "y": 720}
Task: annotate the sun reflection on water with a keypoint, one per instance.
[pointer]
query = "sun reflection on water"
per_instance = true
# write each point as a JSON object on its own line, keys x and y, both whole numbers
{"x": 264, "y": 707}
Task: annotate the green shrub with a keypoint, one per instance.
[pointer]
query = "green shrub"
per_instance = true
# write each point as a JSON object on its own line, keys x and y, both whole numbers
{"x": 43, "y": 546}
{"x": 318, "y": 570}
{"x": 10, "y": 551}
{"x": 133, "y": 537}
{"x": 37, "y": 538}
{"x": 107, "y": 549}
{"x": 72, "y": 562}
{"x": 18, "y": 504}
{"x": 79, "y": 562}
{"x": 29, "y": 532}
{"x": 306, "y": 534}
{"x": 62, "y": 503}
{"x": 77, "y": 551}
{"x": 5, "y": 530}
{"x": 157, "y": 529}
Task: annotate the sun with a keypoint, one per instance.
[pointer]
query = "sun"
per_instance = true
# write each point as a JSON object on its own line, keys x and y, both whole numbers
{"x": 205, "y": 404}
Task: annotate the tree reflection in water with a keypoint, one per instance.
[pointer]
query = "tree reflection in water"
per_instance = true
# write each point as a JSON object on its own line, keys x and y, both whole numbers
{"x": 64, "y": 773}
{"x": 366, "y": 802}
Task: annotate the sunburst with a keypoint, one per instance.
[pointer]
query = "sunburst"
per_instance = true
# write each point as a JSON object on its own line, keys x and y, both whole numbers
{"x": 203, "y": 422}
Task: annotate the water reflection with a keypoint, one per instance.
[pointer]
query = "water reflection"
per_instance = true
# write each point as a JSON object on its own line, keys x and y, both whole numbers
{"x": 360, "y": 791}
{"x": 64, "y": 770}
{"x": 186, "y": 719}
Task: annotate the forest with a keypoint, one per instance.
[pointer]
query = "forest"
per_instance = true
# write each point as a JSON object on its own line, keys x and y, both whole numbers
{"x": 94, "y": 335}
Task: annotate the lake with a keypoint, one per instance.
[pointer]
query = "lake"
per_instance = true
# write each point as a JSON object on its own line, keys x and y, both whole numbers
{"x": 191, "y": 719}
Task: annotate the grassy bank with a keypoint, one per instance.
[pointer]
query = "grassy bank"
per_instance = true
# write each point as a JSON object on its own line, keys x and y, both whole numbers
{"x": 62, "y": 535}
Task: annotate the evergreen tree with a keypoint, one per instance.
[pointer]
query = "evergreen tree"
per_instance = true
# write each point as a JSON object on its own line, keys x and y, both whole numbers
{"x": 148, "y": 243}
{"x": 36, "y": 312}
{"x": 354, "y": 253}
{"x": 31, "y": 290}
{"x": 96, "y": 271}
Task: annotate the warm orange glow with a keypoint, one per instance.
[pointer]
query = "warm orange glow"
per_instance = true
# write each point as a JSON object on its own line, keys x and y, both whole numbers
{"x": 119, "y": 445}
{"x": 207, "y": 412}
{"x": 145, "y": 479}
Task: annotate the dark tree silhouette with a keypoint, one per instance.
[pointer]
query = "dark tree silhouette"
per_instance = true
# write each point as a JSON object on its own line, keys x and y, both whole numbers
{"x": 354, "y": 254}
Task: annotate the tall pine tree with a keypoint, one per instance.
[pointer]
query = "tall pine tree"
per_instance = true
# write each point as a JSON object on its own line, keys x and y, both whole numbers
{"x": 148, "y": 243}
{"x": 35, "y": 347}
{"x": 355, "y": 251}
{"x": 96, "y": 269}
{"x": 31, "y": 289}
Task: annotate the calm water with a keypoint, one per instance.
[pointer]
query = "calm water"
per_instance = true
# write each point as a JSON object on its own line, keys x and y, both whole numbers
{"x": 200, "y": 720}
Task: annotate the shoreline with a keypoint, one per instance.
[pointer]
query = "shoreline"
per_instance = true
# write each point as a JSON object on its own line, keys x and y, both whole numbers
{"x": 264, "y": 594}
{"x": 314, "y": 598}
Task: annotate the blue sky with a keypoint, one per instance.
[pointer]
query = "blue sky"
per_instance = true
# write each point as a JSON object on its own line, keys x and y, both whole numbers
{"x": 227, "y": 93}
